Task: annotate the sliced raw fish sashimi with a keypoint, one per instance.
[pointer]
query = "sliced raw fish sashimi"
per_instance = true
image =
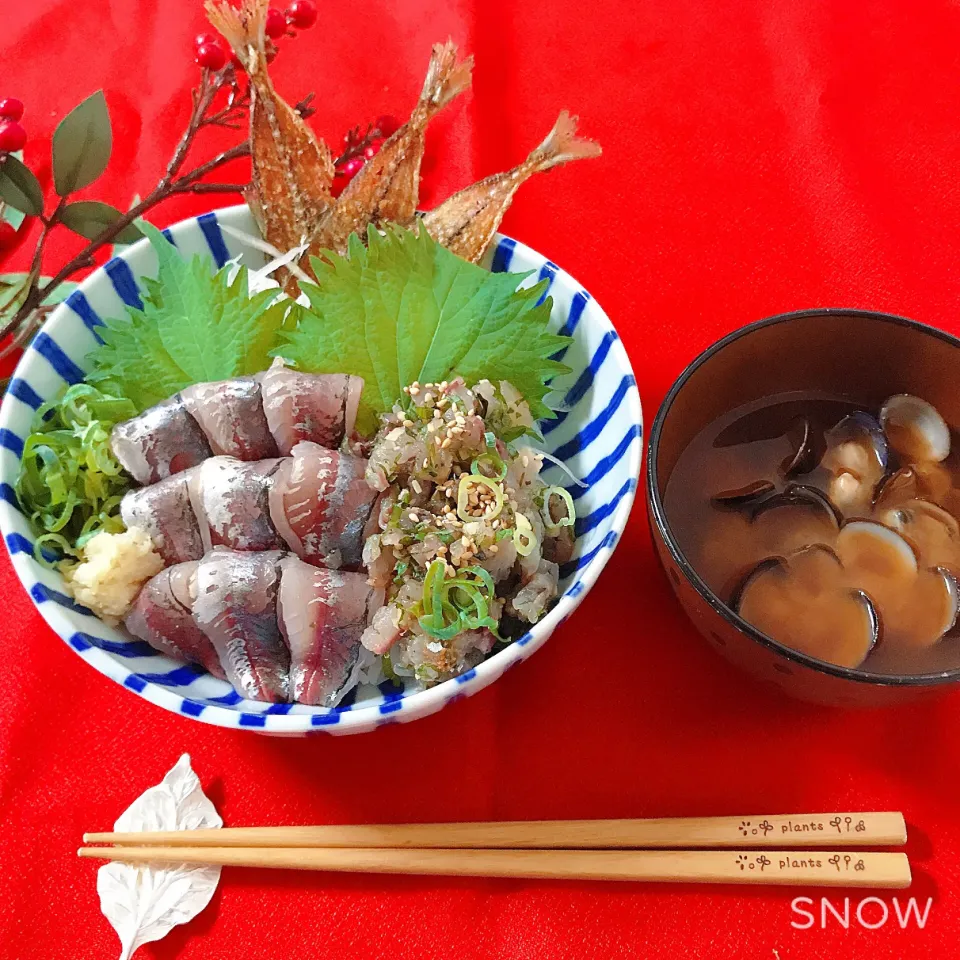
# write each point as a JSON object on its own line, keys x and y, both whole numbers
{"x": 159, "y": 442}
{"x": 236, "y": 607}
{"x": 320, "y": 503}
{"x": 233, "y": 499}
{"x": 250, "y": 418}
{"x": 322, "y": 615}
{"x": 162, "y": 616}
{"x": 321, "y": 408}
{"x": 164, "y": 510}
{"x": 230, "y": 413}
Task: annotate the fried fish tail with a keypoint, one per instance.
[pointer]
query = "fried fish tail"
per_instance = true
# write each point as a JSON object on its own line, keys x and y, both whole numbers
{"x": 466, "y": 222}
{"x": 447, "y": 77}
{"x": 292, "y": 170}
{"x": 242, "y": 26}
{"x": 388, "y": 186}
{"x": 562, "y": 145}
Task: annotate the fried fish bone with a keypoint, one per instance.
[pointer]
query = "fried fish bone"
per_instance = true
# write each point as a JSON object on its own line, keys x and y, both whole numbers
{"x": 292, "y": 170}
{"x": 388, "y": 185}
{"x": 466, "y": 222}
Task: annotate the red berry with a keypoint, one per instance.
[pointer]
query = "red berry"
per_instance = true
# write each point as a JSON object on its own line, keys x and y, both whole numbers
{"x": 8, "y": 235}
{"x": 276, "y": 24}
{"x": 12, "y": 136}
{"x": 351, "y": 168}
{"x": 201, "y": 39}
{"x": 302, "y": 14}
{"x": 211, "y": 56}
{"x": 11, "y": 108}
{"x": 387, "y": 124}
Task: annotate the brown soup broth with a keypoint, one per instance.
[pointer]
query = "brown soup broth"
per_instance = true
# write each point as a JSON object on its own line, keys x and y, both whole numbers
{"x": 725, "y": 544}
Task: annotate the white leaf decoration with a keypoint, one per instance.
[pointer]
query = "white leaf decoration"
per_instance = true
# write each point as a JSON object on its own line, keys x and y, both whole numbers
{"x": 143, "y": 902}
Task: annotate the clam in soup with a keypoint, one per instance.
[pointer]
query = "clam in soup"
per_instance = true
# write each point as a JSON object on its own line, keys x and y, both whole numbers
{"x": 830, "y": 528}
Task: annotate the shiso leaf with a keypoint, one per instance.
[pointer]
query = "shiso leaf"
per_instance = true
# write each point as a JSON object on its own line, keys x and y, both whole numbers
{"x": 404, "y": 309}
{"x": 194, "y": 327}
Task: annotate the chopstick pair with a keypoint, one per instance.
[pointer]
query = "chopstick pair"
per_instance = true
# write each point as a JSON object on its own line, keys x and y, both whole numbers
{"x": 751, "y": 849}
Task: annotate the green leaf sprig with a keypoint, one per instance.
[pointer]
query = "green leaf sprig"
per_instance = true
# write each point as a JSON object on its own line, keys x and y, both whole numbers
{"x": 195, "y": 326}
{"x": 82, "y": 144}
{"x": 19, "y": 188}
{"x": 404, "y": 309}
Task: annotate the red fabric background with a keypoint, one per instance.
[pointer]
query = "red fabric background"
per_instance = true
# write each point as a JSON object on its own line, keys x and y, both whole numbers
{"x": 758, "y": 157}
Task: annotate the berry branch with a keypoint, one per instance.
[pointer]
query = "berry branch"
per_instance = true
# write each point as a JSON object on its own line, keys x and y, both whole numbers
{"x": 173, "y": 182}
{"x": 222, "y": 99}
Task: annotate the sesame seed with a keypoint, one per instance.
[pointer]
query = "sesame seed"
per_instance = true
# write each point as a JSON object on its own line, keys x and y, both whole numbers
{"x": 414, "y": 390}
{"x": 446, "y": 443}
{"x": 412, "y": 517}
{"x": 525, "y": 460}
{"x": 493, "y": 548}
{"x": 408, "y": 422}
{"x": 416, "y": 485}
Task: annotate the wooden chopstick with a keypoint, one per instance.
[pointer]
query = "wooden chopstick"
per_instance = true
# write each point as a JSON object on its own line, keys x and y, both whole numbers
{"x": 790, "y": 830}
{"x": 821, "y": 868}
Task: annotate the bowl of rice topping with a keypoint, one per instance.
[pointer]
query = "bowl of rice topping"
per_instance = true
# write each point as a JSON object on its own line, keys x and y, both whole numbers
{"x": 489, "y": 526}
{"x": 472, "y": 537}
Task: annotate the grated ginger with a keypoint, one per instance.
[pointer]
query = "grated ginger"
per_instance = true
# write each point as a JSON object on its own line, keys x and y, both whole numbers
{"x": 115, "y": 567}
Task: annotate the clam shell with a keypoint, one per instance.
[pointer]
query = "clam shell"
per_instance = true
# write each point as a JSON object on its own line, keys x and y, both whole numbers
{"x": 915, "y": 428}
{"x": 746, "y": 495}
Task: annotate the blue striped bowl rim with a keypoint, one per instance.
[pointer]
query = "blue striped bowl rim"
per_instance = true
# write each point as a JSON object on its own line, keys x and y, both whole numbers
{"x": 604, "y": 445}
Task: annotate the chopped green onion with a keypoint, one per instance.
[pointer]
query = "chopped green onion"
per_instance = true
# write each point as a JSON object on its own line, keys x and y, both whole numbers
{"x": 70, "y": 484}
{"x": 468, "y": 480}
{"x": 387, "y": 666}
{"x": 451, "y": 606}
{"x": 524, "y": 538}
{"x": 491, "y": 460}
{"x": 480, "y": 574}
{"x": 553, "y": 526}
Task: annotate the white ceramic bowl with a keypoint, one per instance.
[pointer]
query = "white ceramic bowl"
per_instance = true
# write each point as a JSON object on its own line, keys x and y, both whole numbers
{"x": 599, "y": 438}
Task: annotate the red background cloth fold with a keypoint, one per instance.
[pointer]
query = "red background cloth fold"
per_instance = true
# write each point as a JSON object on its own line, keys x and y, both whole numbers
{"x": 758, "y": 157}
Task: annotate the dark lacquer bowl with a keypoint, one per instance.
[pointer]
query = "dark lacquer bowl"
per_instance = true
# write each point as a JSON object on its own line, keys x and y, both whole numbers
{"x": 863, "y": 356}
